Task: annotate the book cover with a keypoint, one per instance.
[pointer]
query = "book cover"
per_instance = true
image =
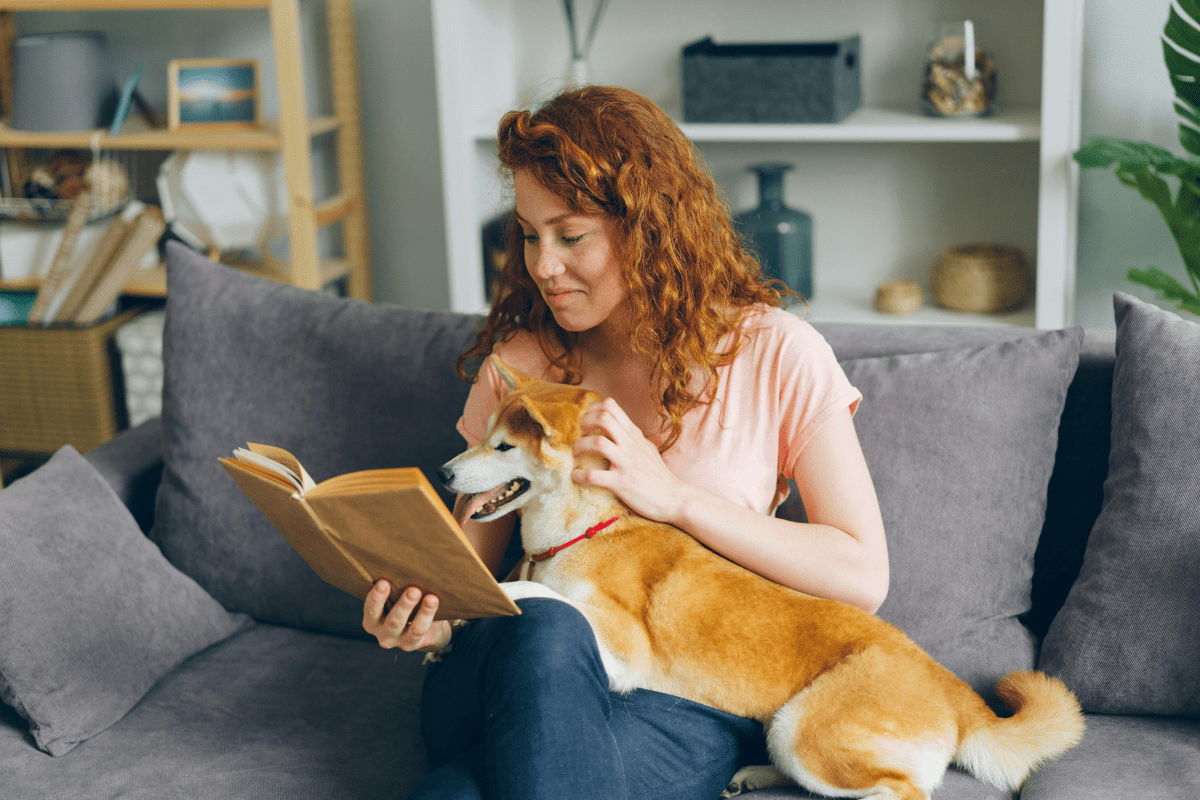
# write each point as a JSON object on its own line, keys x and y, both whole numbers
{"x": 357, "y": 528}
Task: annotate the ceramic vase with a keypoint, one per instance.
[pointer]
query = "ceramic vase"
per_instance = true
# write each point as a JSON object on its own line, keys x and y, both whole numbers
{"x": 781, "y": 237}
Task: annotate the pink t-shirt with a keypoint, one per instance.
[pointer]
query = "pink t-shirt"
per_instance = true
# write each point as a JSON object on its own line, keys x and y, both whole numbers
{"x": 783, "y": 385}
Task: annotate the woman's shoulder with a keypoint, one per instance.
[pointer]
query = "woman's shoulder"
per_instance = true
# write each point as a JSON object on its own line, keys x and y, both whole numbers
{"x": 771, "y": 328}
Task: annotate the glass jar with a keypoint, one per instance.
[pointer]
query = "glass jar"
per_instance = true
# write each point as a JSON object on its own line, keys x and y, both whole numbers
{"x": 954, "y": 85}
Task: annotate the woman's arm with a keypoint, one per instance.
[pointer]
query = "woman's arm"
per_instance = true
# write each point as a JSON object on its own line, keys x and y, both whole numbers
{"x": 840, "y": 553}
{"x": 422, "y": 632}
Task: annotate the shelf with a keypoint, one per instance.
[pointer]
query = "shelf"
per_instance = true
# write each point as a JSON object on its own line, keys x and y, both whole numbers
{"x": 134, "y": 138}
{"x": 152, "y": 281}
{"x": 125, "y": 5}
{"x": 854, "y": 304}
{"x": 867, "y": 125}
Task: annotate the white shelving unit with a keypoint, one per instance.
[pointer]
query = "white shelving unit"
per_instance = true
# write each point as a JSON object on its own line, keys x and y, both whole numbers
{"x": 888, "y": 188}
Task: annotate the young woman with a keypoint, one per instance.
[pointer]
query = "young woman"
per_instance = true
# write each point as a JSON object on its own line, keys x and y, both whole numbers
{"x": 624, "y": 275}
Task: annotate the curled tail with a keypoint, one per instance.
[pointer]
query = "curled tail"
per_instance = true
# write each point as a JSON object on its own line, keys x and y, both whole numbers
{"x": 1046, "y": 722}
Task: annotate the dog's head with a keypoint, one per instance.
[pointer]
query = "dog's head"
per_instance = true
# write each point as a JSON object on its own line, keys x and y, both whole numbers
{"x": 527, "y": 449}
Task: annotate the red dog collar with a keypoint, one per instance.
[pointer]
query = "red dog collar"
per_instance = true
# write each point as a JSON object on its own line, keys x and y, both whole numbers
{"x": 592, "y": 531}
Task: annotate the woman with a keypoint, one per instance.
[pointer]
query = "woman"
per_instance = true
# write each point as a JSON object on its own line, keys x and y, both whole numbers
{"x": 625, "y": 276}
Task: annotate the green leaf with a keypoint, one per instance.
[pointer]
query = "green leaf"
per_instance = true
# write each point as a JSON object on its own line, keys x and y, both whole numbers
{"x": 1164, "y": 284}
{"x": 1181, "y": 54}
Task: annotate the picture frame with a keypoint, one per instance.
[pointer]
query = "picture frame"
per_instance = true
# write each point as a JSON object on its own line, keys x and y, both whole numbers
{"x": 214, "y": 94}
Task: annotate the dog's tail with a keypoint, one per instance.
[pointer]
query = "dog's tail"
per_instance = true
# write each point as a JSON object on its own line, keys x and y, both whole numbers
{"x": 1046, "y": 722}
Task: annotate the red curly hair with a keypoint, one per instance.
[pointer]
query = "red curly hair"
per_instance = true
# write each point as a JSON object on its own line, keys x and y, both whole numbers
{"x": 687, "y": 279}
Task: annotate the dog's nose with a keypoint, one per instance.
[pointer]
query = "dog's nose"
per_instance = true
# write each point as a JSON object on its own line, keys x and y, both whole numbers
{"x": 445, "y": 476}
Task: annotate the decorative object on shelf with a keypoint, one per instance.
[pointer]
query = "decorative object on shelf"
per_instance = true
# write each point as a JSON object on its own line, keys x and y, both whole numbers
{"x": 213, "y": 94}
{"x": 781, "y": 237}
{"x": 15, "y": 307}
{"x": 981, "y": 278}
{"x": 72, "y": 70}
{"x": 224, "y": 200}
{"x": 53, "y": 185}
{"x": 898, "y": 297}
{"x": 495, "y": 250}
{"x": 1146, "y": 167}
{"x": 125, "y": 103}
{"x": 953, "y": 84}
{"x": 580, "y": 50}
{"x": 784, "y": 82}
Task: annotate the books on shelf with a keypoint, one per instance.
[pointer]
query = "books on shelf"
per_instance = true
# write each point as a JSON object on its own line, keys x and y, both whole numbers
{"x": 91, "y": 263}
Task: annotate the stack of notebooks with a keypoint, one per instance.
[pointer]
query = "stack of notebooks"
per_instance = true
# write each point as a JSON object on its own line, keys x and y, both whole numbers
{"x": 79, "y": 288}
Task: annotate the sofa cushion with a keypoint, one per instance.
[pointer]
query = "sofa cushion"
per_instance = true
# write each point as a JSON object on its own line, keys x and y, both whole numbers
{"x": 342, "y": 384}
{"x": 1149, "y": 758}
{"x": 92, "y": 614}
{"x": 960, "y": 445}
{"x": 274, "y": 713}
{"x": 1126, "y": 640}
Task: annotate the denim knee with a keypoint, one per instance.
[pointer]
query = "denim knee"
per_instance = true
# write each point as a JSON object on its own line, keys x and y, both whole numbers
{"x": 549, "y": 642}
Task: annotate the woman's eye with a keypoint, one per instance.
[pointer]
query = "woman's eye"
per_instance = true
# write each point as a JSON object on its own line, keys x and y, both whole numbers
{"x": 503, "y": 447}
{"x": 572, "y": 239}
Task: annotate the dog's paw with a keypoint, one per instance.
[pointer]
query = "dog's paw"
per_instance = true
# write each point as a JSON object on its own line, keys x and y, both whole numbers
{"x": 748, "y": 779}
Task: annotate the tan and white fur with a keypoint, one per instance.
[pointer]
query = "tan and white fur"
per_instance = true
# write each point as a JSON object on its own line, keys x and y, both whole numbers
{"x": 851, "y": 706}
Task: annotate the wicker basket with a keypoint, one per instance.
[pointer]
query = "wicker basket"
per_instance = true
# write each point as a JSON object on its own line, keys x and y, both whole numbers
{"x": 982, "y": 278}
{"x": 61, "y": 385}
{"x": 898, "y": 297}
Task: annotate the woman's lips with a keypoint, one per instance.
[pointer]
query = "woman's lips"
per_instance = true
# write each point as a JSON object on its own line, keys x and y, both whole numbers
{"x": 560, "y": 297}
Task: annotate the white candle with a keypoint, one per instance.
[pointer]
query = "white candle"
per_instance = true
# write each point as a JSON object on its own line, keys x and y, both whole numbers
{"x": 969, "y": 49}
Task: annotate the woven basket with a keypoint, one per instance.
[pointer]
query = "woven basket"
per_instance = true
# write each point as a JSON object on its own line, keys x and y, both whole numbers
{"x": 981, "y": 278}
{"x": 898, "y": 297}
{"x": 61, "y": 385}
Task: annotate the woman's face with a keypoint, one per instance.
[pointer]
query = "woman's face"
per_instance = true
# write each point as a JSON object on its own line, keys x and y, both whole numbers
{"x": 570, "y": 256}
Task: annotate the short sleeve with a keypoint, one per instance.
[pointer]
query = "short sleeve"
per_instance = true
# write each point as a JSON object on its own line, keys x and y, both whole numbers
{"x": 486, "y": 393}
{"x": 522, "y": 353}
{"x": 812, "y": 387}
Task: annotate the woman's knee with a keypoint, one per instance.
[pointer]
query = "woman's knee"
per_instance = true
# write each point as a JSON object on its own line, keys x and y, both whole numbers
{"x": 550, "y": 640}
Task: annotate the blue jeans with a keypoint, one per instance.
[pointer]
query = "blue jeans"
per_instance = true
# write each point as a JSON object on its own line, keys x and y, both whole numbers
{"x": 520, "y": 708}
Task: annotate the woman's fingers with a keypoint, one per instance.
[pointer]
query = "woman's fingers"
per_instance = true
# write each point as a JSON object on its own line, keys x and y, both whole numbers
{"x": 400, "y": 627}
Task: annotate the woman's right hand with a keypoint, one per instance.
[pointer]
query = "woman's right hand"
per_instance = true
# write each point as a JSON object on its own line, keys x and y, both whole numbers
{"x": 395, "y": 629}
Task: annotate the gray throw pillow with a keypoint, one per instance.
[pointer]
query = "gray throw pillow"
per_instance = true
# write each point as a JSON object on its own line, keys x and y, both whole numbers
{"x": 342, "y": 384}
{"x": 960, "y": 445}
{"x": 1126, "y": 640}
{"x": 93, "y": 615}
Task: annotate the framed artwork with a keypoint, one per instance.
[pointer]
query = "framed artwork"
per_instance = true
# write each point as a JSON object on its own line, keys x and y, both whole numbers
{"x": 213, "y": 94}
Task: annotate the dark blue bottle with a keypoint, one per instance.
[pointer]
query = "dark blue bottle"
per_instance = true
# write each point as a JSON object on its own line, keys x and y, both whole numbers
{"x": 781, "y": 237}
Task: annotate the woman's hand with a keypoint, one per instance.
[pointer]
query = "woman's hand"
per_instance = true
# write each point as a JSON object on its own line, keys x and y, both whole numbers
{"x": 395, "y": 629}
{"x": 636, "y": 473}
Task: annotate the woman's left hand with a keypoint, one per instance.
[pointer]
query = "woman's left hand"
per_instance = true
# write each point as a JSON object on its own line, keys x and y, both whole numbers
{"x": 637, "y": 474}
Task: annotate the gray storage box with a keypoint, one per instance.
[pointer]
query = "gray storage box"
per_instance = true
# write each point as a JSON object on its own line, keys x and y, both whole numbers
{"x": 787, "y": 82}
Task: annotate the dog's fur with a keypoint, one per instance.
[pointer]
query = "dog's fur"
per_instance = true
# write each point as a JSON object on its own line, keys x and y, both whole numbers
{"x": 851, "y": 706}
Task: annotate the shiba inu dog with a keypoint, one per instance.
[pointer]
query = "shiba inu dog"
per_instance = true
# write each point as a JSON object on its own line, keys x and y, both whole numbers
{"x": 851, "y": 706}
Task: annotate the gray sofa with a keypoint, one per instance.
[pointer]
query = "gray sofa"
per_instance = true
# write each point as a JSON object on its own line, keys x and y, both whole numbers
{"x": 205, "y": 660}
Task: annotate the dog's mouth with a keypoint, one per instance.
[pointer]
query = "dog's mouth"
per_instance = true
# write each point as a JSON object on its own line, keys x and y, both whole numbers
{"x": 501, "y": 496}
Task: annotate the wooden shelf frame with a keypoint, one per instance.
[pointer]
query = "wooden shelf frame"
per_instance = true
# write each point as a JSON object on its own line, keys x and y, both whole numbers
{"x": 291, "y": 135}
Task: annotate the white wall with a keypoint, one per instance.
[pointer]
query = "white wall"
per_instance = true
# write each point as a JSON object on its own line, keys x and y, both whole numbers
{"x": 1126, "y": 94}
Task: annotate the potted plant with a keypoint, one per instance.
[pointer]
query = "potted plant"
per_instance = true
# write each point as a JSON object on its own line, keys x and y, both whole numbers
{"x": 1147, "y": 168}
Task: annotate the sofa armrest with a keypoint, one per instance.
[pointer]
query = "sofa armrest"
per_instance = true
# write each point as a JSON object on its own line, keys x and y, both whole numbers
{"x": 132, "y": 462}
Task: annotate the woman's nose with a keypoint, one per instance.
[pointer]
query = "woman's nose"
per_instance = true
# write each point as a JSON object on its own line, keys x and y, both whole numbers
{"x": 545, "y": 264}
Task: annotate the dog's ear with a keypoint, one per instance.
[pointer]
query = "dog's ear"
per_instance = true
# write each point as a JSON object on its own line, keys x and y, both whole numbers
{"x": 538, "y": 417}
{"x": 513, "y": 378}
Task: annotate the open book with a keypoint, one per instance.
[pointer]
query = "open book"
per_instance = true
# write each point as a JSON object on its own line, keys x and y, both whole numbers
{"x": 356, "y": 528}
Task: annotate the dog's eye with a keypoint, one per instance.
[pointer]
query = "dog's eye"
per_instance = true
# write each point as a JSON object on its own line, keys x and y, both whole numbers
{"x": 503, "y": 447}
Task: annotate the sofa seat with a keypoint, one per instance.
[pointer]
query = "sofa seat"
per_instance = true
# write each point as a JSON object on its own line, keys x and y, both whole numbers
{"x": 274, "y": 712}
{"x": 1149, "y": 758}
